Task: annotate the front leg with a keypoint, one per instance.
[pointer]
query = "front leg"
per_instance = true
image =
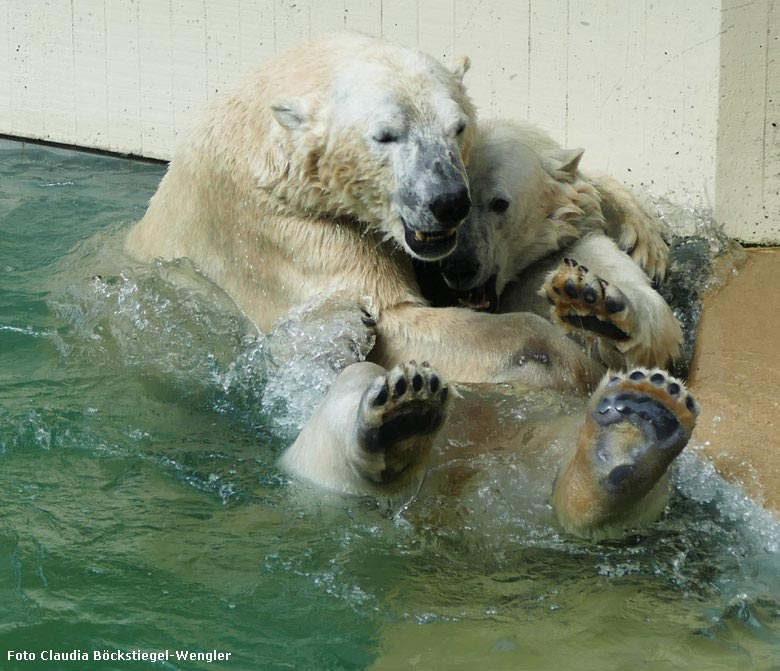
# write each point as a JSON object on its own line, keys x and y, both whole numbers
{"x": 618, "y": 476}
{"x": 373, "y": 432}
{"x": 468, "y": 346}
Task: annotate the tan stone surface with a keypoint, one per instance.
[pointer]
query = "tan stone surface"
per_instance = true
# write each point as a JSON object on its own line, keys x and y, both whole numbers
{"x": 736, "y": 376}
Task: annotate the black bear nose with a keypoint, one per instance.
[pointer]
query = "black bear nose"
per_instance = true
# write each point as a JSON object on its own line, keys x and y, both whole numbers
{"x": 451, "y": 208}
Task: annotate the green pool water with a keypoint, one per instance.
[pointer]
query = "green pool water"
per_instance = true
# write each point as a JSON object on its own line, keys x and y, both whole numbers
{"x": 142, "y": 509}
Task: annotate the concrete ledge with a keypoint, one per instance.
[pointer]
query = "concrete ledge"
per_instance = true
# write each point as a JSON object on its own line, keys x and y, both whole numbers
{"x": 735, "y": 374}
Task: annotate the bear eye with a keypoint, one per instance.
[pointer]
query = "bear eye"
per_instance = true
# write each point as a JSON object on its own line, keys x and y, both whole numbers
{"x": 387, "y": 136}
{"x": 499, "y": 205}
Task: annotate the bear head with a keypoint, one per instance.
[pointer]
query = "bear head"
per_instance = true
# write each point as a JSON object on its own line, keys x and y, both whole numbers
{"x": 386, "y": 142}
{"x": 529, "y": 200}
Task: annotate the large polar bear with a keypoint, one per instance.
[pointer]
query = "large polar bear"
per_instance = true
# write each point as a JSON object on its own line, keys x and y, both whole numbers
{"x": 323, "y": 175}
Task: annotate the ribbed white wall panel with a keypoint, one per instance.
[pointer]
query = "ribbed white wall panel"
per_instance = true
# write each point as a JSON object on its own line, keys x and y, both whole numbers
{"x": 680, "y": 97}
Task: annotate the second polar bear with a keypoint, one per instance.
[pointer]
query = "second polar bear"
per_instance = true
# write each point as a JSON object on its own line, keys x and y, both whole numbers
{"x": 537, "y": 220}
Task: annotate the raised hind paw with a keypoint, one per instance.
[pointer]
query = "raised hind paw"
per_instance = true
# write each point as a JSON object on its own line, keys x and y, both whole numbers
{"x": 398, "y": 417}
{"x": 646, "y": 418}
{"x": 636, "y": 424}
{"x": 584, "y": 303}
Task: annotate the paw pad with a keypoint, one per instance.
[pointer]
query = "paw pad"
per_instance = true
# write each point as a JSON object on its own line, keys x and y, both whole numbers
{"x": 585, "y": 303}
{"x": 407, "y": 403}
{"x": 652, "y": 392}
{"x": 381, "y": 396}
{"x": 417, "y": 382}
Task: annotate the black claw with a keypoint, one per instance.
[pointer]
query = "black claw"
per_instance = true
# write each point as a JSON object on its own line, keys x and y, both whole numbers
{"x": 417, "y": 382}
{"x": 550, "y": 301}
{"x": 590, "y": 295}
{"x": 571, "y": 289}
{"x": 674, "y": 389}
{"x": 657, "y": 378}
{"x": 690, "y": 404}
{"x": 614, "y": 305}
{"x": 584, "y": 269}
{"x": 613, "y": 380}
{"x": 434, "y": 384}
{"x": 444, "y": 393}
{"x": 425, "y": 364}
{"x": 367, "y": 321}
{"x": 637, "y": 375}
{"x": 400, "y": 387}
{"x": 570, "y": 262}
{"x": 381, "y": 397}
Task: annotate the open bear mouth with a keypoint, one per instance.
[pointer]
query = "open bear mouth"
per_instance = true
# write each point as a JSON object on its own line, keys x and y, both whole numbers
{"x": 430, "y": 276}
{"x": 482, "y": 299}
{"x": 430, "y": 244}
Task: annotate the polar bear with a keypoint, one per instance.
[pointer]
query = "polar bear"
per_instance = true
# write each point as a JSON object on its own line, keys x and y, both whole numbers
{"x": 537, "y": 221}
{"x": 324, "y": 175}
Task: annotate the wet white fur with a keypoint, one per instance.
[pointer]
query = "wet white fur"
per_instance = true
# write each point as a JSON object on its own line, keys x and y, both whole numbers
{"x": 326, "y": 448}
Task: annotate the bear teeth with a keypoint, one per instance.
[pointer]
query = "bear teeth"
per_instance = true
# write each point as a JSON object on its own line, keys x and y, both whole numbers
{"x": 427, "y": 237}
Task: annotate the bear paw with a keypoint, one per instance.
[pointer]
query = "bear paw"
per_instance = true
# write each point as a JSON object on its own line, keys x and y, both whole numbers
{"x": 642, "y": 241}
{"x": 399, "y": 415}
{"x": 584, "y": 303}
{"x": 637, "y": 423}
{"x": 645, "y": 418}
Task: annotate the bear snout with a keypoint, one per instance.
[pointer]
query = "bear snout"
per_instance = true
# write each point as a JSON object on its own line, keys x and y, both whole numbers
{"x": 451, "y": 207}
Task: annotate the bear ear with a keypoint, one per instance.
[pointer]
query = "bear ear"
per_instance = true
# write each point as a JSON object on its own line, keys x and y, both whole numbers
{"x": 563, "y": 163}
{"x": 461, "y": 66}
{"x": 291, "y": 114}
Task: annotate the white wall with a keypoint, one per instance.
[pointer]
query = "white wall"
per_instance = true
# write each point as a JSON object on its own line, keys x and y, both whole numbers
{"x": 641, "y": 85}
{"x": 748, "y": 166}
